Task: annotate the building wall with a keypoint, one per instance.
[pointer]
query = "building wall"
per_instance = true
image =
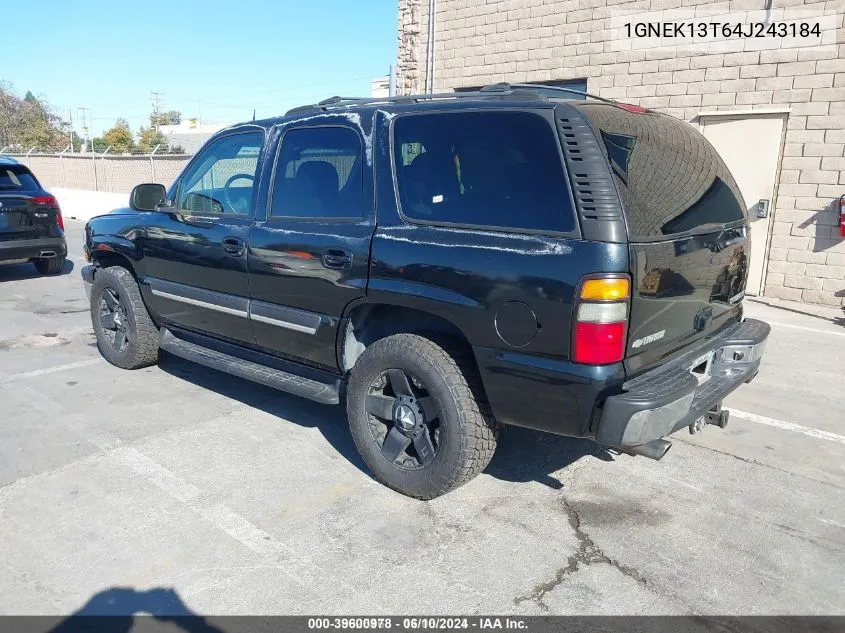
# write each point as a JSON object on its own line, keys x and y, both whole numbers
{"x": 481, "y": 42}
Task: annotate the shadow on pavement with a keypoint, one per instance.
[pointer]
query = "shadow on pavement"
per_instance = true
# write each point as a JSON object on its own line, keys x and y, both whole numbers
{"x": 114, "y": 611}
{"x": 19, "y": 272}
{"x": 523, "y": 455}
{"x": 329, "y": 420}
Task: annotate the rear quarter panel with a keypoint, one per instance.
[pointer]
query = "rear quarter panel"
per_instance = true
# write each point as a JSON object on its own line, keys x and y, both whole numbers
{"x": 510, "y": 294}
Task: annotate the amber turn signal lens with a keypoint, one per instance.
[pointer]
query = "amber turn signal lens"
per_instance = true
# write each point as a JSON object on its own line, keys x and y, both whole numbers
{"x": 605, "y": 289}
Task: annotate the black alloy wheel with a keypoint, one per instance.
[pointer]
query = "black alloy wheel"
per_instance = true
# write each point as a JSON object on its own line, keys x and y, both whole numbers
{"x": 113, "y": 319}
{"x": 404, "y": 420}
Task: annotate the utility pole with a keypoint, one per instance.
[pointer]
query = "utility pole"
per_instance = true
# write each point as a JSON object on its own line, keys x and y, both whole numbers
{"x": 86, "y": 129}
{"x": 70, "y": 133}
{"x": 89, "y": 140}
{"x": 156, "y": 97}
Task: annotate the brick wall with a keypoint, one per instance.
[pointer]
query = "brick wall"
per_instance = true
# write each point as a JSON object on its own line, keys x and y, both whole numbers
{"x": 482, "y": 42}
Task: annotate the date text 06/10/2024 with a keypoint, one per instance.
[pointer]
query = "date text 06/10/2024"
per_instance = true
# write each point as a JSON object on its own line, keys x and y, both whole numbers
{"x": 418, "y": 623}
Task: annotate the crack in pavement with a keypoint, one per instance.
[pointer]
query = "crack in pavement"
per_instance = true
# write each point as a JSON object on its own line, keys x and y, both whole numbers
{"x": 756, "y": 463}
{"x": 588, "y": 554}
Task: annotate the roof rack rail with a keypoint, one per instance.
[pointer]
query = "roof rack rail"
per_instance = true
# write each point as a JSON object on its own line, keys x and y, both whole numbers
{"x": 561, "y": 89}
{"x": 527, "y": 91}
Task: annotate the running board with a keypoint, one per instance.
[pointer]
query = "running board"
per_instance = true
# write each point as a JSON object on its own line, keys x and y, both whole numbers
{"x": 323, "y": 392}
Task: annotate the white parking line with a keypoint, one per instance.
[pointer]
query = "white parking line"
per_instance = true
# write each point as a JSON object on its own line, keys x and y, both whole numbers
{"x": 805, "y": 328}
{"x": 52, "y": 370}
{"x": 274, "y": 551}
{"x": 789, "y": 426}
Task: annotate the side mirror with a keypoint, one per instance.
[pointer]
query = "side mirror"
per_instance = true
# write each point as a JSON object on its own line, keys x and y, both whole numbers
{"x": 147, "y": 197}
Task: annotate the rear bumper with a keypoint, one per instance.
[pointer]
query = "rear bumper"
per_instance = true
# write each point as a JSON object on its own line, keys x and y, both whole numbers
{"x": 672, "y": 397}
{"x": 29, "y": 249}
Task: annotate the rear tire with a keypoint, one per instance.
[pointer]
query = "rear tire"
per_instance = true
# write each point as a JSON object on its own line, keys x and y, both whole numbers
{"x": 126, "y": 335}
{"x": 464, "y": 435}
{"x": 50, "y": 265}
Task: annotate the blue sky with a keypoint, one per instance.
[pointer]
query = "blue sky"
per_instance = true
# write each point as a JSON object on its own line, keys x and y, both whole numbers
{"x": 224, "y": 58}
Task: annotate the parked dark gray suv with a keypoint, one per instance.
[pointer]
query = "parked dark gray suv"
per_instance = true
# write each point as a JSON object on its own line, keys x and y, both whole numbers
{"x": 31, "y": 224}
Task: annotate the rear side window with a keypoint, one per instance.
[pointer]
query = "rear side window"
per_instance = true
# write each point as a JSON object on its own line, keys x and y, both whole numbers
{"x": 319, "y": 174}
{"x": 670, "y": 178}
{"x": 484, "y": 169}
{"x": 17, "y": 177}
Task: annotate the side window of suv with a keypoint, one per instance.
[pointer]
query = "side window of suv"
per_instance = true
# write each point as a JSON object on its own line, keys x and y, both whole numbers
{"x": 318, "y": 174}
{"x": 483, "y": 169}
{"x": 222, "y": 178}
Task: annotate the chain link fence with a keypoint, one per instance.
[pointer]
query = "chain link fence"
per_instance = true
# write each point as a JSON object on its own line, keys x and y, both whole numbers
{"x": 102, "y": 172}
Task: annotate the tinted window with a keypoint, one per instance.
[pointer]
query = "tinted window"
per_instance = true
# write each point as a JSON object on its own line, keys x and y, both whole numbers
{"x": 319, "y": 174}
{"x": 670, "y": 178}
{"x": 494, "y": 169}
{"x": 17, "y": 177}
{"x": 222, "y": 178}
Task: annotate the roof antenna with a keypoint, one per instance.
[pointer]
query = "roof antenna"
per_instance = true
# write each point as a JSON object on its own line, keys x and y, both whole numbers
{"x": 253, "y": 114}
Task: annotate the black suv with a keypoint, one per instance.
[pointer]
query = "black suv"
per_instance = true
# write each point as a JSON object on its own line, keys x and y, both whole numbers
{"x": 447, "y": 263}
{"x": 31, "y": 225}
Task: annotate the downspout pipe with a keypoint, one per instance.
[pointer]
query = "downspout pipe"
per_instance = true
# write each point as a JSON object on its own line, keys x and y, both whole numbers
{"x": 429, "y": 51}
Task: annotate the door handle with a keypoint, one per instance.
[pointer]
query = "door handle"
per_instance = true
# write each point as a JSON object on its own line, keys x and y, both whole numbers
{"x": 233, "y": 246}
{"x": 337, "y": 258}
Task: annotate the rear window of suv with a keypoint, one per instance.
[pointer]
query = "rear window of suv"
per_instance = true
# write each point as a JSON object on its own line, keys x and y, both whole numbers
{"x": 670, "y": 178}
{"x": 482, "y": 169}
{"x": 17, "y": 177}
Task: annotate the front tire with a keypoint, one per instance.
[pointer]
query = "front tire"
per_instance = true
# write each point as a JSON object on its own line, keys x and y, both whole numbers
{"x": 50, "y": 265}
{"x": 418, "y": 416}
{"x": 126, "y": 335}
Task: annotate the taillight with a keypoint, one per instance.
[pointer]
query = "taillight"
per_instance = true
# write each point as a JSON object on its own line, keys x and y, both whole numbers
{"x": 601, "y": 321}
{"x": 47, "y": 201}
{"x": 50, "y": 201}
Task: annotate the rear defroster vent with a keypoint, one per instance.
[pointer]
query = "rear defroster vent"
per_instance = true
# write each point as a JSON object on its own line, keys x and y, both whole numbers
{"x": 595, "y": 194}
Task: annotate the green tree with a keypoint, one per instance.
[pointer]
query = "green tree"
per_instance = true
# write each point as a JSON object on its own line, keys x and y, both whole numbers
{"x": 99, "y": 144}
{"x": 77, "y": 141}
{"x": 30, "y": 122}
{"x": 119, "y": 137}
{"x": 149, "y": 138}
{"x": 171, "y": 117}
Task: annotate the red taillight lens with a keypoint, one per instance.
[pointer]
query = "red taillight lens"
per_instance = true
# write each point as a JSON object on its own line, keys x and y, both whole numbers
{"x": 599, "y": 343}
{"x": 601, "y": 320}
{"x": 50, "y": 201}
{"x": 47, "y": 201}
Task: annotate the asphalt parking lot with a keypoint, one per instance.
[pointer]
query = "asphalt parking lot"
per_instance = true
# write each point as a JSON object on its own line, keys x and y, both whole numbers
{"x": 175, "y": 487}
